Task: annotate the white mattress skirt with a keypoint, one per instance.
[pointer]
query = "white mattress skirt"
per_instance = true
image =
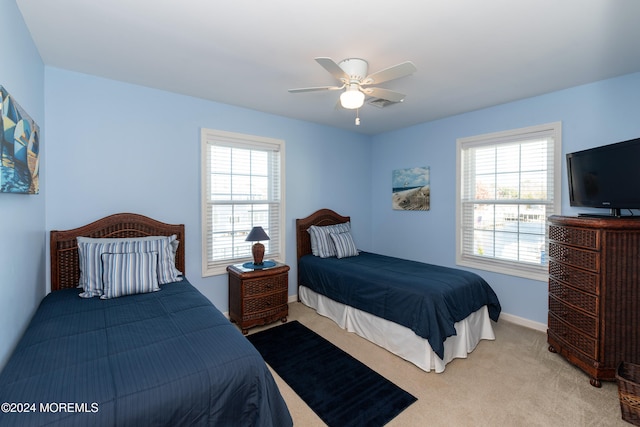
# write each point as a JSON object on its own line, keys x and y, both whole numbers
{"x": 399, "y": 339}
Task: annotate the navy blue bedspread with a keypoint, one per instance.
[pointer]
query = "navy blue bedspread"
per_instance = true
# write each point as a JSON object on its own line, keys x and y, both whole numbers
{"x": 426, "y": 298}
{"x": 167, "y": 358}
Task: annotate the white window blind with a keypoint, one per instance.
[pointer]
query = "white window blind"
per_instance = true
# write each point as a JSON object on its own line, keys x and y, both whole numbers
{"x": 508, "y": 184}
{"x": 242, "y": 187}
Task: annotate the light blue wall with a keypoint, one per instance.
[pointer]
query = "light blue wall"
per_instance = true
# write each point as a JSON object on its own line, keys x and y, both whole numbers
{"x": 591, "y": 115}
{"x": 112, "y": 147}
{"x": 115, "y": 147}
{"x": 22, "y": 217}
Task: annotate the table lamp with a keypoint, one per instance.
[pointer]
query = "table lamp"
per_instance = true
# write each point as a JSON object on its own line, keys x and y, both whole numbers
{"x": 257, "y": 234}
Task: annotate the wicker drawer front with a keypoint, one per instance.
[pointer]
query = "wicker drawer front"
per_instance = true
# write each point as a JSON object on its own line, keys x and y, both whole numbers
{"x": 581, "y": 279}
{"x": 265, "y": 285}
{"x": 584, "y": 301}
{"x": 269, "y": 302}
{"x": 575, "y": 318}
{"x": 582, "y": 237}
{"x": 581, "y": 258}
{"x": 579, "y": 341}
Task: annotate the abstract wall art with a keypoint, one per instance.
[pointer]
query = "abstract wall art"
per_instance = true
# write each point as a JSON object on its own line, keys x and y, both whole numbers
{"x": 411, "y": 189}
{"x": 19, "y": 148}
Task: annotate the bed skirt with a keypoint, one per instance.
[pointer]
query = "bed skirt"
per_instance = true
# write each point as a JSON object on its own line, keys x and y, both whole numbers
{"x": 400, "y": 340}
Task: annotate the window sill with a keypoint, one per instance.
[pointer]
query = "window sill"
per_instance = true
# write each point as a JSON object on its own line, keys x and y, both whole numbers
{"x": 533, "y": 272}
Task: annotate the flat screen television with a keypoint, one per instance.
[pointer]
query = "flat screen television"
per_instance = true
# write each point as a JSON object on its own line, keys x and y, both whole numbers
{"x": 606, "y": 177}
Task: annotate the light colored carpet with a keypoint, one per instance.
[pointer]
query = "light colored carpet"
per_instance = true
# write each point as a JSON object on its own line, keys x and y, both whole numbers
{"x": 512, "y": 381}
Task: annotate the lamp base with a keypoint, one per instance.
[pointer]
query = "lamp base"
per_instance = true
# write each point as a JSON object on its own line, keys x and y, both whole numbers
{"x": 258, "y": 253}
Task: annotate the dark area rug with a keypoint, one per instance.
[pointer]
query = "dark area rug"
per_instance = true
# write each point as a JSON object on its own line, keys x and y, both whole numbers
{"x": 341, "y": 390}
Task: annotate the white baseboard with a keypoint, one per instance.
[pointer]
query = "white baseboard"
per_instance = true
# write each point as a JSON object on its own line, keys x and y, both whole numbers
{"x": 542, "y": 327}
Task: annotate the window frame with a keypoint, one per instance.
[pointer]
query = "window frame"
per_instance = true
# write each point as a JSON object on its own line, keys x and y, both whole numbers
{"x": 466, "y": 258}
{"x": 211, "y": 137}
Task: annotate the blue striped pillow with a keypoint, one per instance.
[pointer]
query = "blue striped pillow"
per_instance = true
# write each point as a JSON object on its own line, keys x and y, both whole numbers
{"x": 90, "y": 252}
{"x": 172, "y": 239}
{"x": 321, "y": 243}
{"x": 128, "y": 274}
{"x": 345, "y": 246}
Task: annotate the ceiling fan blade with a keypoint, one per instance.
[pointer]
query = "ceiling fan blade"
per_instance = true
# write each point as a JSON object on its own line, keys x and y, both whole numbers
{"x": 333, "y": 68}
{"x": 314, "y": 89}
{"x": 389, "y": 95}
{"x": 395, "y": 72}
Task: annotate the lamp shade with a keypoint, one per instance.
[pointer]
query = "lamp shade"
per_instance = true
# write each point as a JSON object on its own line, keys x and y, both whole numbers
{"x": 257, "y": 234}
{"x": 352, "y": 98}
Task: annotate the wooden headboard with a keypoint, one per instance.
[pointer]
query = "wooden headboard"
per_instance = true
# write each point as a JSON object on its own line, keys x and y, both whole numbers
{"x": 319, "y": 218}
{"x": 65, "y": 271}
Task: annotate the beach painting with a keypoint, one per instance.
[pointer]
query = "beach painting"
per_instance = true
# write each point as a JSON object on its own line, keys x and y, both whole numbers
{"x": 411, "y": 189}
{"x": 19, "y": 148}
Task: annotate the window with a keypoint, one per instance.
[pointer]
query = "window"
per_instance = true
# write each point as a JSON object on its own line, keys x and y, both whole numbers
{"x": 242, "y": 187}
{"x": 508, "y": 184}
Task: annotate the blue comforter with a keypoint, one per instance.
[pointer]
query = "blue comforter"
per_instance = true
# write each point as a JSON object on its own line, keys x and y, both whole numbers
{"x": 166, "y": 358}
{"x": 426, "y": 298}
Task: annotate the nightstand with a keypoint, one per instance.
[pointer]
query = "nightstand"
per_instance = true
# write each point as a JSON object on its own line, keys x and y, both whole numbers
{"x": 258, "y": 297}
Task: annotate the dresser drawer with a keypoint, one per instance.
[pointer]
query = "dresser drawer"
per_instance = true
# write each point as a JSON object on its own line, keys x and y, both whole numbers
{"x": 575, "y": 236}
{"x": 568, "y": 295}
{"x": 577, "y": 319}
{"x": 266, "y": 285}
{"x": 581, "y": 258}
{"x": 580, "y": 342}
{"x": 581, "y": 279}
{"x": 269, "y": 302}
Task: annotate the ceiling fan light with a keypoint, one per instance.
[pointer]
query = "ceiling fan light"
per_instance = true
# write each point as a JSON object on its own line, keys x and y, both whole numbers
{"x": 352, "y": 99}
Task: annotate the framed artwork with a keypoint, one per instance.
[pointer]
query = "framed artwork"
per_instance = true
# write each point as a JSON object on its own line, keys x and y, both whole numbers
{"x": 19, "y": 148}
{"x": 411, "y": 189}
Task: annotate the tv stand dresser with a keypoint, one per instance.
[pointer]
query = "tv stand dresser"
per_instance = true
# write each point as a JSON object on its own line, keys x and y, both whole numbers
{"x": 594, "y": 293}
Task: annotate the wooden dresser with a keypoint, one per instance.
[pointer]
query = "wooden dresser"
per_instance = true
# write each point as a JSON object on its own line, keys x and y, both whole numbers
{"x": 258, "y": 297}
{"x": 594, "y": 293}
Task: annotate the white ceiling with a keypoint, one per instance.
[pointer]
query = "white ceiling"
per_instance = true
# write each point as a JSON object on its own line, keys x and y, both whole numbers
{"x": 470, "y": 54}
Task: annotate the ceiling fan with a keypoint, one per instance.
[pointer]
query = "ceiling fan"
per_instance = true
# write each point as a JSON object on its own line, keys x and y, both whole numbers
{"x": 352, "y": 73}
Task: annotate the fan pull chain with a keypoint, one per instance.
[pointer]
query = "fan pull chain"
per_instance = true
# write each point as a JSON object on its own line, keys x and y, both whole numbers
{"x": 357, "y": 117}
